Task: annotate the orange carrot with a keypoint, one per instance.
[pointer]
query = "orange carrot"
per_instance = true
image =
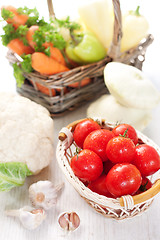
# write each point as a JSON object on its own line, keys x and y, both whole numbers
{"x": 29, "y": 35}
{"x": 83, "y": 83}
{"x": 45, "y": 90}
{"x": 55, "y": 53}
{"x": 17, "y": 46}
{"x": 18, "y": 19}
{"x": 46, "y": 65}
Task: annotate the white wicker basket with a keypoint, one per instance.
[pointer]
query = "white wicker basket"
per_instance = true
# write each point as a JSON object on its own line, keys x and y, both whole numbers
{"x": 120, "y": 208}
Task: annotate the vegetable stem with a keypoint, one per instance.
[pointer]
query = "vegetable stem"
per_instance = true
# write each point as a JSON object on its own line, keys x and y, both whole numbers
{"x": 137, "y": 11}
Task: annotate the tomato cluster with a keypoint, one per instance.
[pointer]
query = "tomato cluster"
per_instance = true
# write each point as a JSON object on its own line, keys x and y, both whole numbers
{"x": 113, "y": 162}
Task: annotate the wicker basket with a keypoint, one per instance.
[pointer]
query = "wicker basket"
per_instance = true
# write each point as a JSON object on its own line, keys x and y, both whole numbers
{"x": 120, "y": 208}
{"x": 61, "y": 81}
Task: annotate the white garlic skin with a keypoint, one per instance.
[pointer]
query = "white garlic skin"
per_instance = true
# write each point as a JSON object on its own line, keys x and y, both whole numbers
{"x": 43, "y": 194}
{"x": 29, "y": 217}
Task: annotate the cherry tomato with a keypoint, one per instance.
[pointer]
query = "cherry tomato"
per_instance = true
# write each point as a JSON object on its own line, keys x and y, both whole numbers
{"x": 83, "y": 129}
{"x": 97, "y": 142}
{"x": 87, "y": 165}
{"x": 107, "y": 166}
{"x": 99, "y": 186}
{"x": 128, "y": 130}
{"x": 145, "y": 185}
{"x": 146, "y": 159}
{"x": 123, "y": 179}
{"x": 120, "y": 149}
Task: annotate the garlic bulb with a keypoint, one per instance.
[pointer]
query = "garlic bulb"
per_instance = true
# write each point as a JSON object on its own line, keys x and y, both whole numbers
{"x": 29, "y": 217}
{"x": 69, "y": 221}
{"x": 43, "y": 194}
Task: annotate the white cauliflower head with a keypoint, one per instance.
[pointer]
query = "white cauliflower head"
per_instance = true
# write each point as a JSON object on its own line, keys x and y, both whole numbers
{"x": 26, "y": 132}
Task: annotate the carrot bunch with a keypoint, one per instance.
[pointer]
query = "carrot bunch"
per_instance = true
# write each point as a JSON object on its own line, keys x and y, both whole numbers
{"x": 39, "y": 44}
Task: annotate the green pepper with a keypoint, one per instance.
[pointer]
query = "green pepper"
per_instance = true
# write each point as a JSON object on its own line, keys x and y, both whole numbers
{"x": 70, "y": 52}
{"x": 85, "y": 48}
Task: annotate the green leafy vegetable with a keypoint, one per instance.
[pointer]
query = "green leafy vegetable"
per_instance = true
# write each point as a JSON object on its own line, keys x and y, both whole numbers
{"x": 9, "y": 34}
{"x": 21, "y": 33}
{"x": 5, "y": 14}
{"x": 25, "y": 66}
{"x": 27, "y": 11}
{"x": 47, "y": 52}
{"x": 66, "y": 23}
{"x": 13, "y": 174}
{"x": 18, "y": 74}
{"x": 48, "y": 33}
{"x": 33, "y": 16}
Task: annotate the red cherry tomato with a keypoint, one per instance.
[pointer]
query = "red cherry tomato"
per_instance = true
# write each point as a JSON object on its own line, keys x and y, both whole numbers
{"x": 145, "y": 185}
{"x": 128, "y": 130}
{"x": 97, "y": 142}
{"x": 99, "y": 186}
{"x": 87, "y": 165}
{"x": 83, "y": 129}
{"x": 120, "y": 149}
{"x": 123, "y": 179}
{"x": 146, "y": 159}
{"x": 107, "y": 166}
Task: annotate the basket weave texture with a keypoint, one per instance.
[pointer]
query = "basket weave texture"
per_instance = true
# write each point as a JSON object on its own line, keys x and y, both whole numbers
{"x": 75, "y": 97}
{"x": 120, "y": 208}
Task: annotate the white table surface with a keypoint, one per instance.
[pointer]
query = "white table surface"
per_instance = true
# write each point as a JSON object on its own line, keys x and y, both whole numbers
{"x": 93, "y": 225}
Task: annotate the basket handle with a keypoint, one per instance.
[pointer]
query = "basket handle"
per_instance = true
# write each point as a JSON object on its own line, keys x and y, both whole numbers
{"x": 62, "y": 136}
{"x": 51, "y": 9}
{"x": 114, "y": 50}
{"x": 143, "y": 197}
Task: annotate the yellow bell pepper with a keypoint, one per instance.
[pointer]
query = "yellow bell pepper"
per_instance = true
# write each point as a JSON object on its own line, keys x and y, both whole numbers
{"x": 134, "y": 28}
{"x": 98, "y": 18}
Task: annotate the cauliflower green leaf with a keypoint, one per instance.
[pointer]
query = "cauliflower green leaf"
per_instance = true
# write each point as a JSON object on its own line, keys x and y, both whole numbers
{"x": 13, "y": 174}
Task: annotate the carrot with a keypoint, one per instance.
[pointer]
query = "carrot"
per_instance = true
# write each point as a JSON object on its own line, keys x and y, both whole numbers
{"x": 18, "y": 19}
{"x": 83, "y": 83}
{"x": 45, "y": 90}
{"x": 55, "y": 53}
{"x": 29, "y": 35}
{"x": 46, "y": 65}
{"x": 17, "y": 46}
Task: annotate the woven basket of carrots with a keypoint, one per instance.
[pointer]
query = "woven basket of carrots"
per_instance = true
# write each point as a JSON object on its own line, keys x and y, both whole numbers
{"x": 113, "y": 167}
{"x": 59, "y": 63}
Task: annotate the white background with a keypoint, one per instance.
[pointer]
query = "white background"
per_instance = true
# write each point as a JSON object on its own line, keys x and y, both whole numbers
{"x": 93, "y": 226}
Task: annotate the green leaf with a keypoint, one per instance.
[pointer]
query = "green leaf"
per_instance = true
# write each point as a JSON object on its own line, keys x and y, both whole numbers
{"x": 26, "y": 64}
{"x": 18, "y": 74}
{"x": 5, "y": 14}
{"x": 13, "y": 174}
{"x": 66, "y": 23}
{"x": 32, "y": 21}
{"x": 21, "y": 33}
{"x": 27, "y": 11}
{"x": 33, "y": 16}
{"x": 47, "y": 52}
{"x": 9, "y": 34}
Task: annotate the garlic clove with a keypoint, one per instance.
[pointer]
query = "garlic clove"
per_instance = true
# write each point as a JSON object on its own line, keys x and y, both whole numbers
{"x": 69, "y": 221}
{"x": 29, "y": 217}
{"x": 43, "y": 194}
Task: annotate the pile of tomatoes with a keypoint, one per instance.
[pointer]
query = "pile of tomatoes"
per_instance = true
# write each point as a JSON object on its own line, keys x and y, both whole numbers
{"x": 113, "y": 162}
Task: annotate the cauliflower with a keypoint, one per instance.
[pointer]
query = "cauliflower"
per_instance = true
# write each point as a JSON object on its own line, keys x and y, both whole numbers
{"x": 26, "y": 132}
